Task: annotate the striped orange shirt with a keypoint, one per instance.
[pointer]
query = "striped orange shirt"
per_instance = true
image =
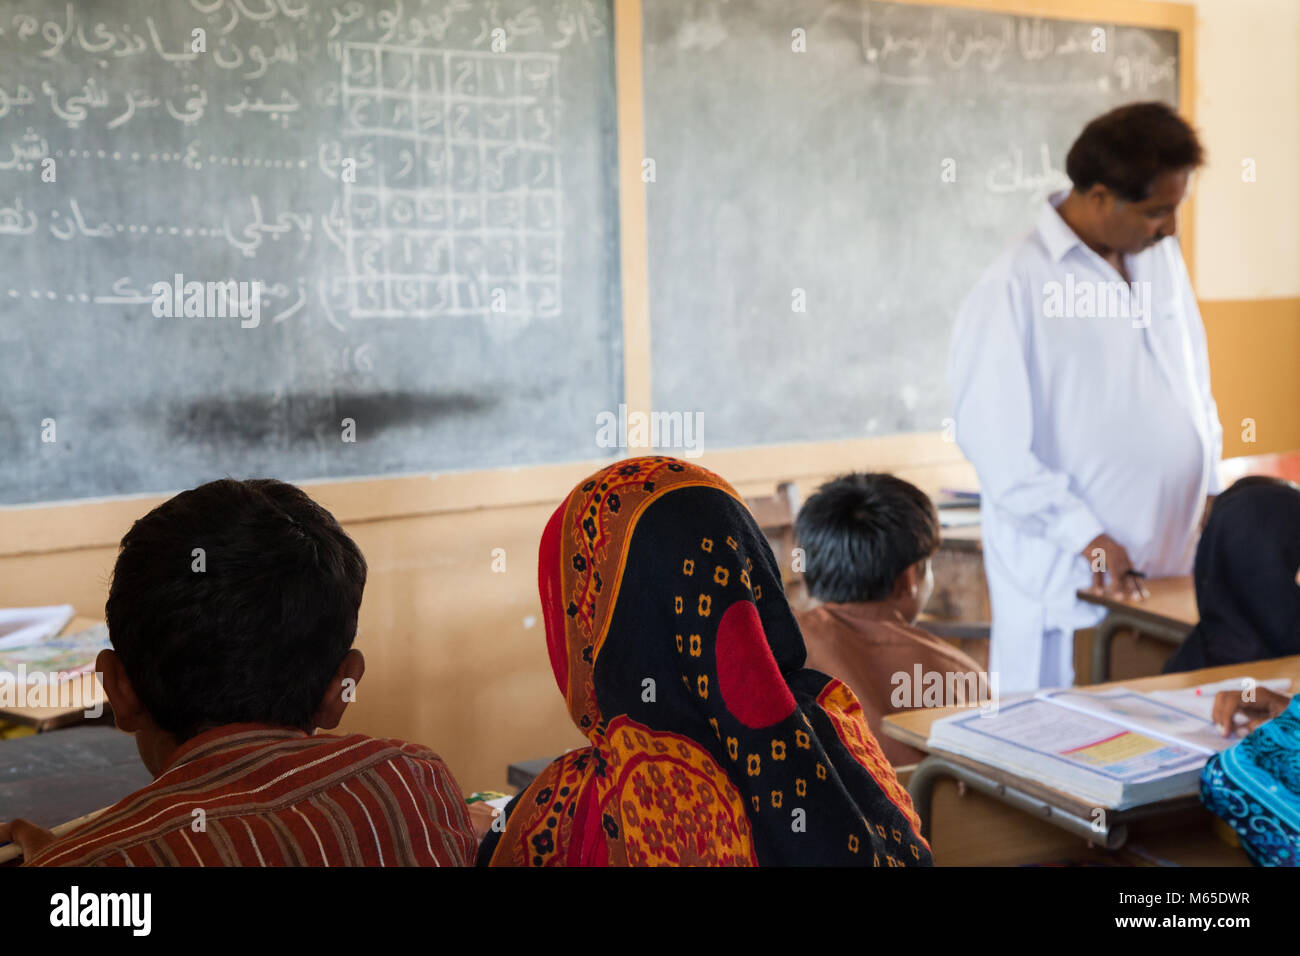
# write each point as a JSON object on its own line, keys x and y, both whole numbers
{"x": 253, "y": 795}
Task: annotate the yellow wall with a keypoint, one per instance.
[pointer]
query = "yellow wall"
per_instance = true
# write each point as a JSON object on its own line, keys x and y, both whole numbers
{"x": 1255, "y": 372}
{"x": 1248, "y": 233}
{"x": 456, "y": 656}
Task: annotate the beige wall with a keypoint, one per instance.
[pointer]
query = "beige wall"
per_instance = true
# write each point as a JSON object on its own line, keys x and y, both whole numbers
{"x": 1248, "y": 106}
{"x": 1248, "y": 234}
{"x": 455, "y": 651}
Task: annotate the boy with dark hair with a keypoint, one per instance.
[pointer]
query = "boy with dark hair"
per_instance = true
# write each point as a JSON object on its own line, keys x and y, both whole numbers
{"x": 232, "y": 613}
{"x": 867, "y": 542}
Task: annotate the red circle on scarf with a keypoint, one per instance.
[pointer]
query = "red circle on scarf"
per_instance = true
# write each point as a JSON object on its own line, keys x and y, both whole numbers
{"x": 748, "y": 677}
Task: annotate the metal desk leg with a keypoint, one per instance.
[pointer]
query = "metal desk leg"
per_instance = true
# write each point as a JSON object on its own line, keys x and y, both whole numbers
{"x": 1101, "y": 648}
{"x": 1172, "y": 634}
{"x": 934, "y": 768}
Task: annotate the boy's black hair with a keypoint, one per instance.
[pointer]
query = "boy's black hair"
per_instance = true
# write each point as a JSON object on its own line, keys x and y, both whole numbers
{"x": 859, "y": 532}
{"x": 1127, "y": 148}
{"x": 249, "y": 630}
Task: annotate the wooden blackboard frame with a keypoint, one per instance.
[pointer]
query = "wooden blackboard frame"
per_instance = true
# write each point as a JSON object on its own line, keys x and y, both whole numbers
{"x": 65, "y": 526}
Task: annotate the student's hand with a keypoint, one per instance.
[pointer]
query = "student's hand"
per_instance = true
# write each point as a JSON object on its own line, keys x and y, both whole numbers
{"x": 481, "y": 817}
{"x": 1117, "y": 563}
{"x": 31, "y": 838}
{"x": 1228, "y": 703}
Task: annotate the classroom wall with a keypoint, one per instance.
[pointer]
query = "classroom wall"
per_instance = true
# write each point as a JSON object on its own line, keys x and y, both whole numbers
{"x": 455, "y": 651}
{"x": 1248, "y": 107}
{"x": 1248, "y": 233}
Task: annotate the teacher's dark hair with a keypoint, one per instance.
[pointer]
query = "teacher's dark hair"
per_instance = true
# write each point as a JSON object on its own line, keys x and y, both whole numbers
{"x": 859, "y": 532}
{"x": 1126, "y": 149}
{"x": 234, "y": 602}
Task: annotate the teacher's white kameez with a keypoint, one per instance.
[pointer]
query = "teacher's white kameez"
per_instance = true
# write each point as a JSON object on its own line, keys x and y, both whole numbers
{"x": 1075, "y": 426}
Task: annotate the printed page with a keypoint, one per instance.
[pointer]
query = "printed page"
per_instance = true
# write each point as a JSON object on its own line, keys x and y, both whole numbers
{"x": 1139, "y": 712}
{"x": 1083, "y": 740}
{"x": 67, "y": 655}
{"x": 1200, "y": 700}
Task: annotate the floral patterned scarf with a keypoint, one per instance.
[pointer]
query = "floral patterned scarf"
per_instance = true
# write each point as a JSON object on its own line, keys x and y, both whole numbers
{"x": 679, "y": 658}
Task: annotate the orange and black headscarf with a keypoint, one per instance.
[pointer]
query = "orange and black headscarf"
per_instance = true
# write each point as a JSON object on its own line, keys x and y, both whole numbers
{"x": 711, "y": 744}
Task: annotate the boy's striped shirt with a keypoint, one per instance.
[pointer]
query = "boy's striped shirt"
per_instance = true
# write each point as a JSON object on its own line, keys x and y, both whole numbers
{"x": 253, "y": 795}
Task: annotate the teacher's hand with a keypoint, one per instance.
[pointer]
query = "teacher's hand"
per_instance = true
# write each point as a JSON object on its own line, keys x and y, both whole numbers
{"x": 1115, "y": 561}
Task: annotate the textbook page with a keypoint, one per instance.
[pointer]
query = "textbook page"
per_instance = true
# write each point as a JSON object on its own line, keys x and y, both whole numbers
{"x": 1071, "y": 739}
{"x": 1136, "y": 711}
{"x": 1200, "y": 700}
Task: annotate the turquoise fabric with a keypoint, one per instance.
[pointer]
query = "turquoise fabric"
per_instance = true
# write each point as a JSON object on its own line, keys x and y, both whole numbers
{"x": 1255, "y": 787}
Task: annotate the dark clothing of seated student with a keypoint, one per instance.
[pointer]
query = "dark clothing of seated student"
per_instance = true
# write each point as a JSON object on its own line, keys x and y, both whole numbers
{"x": 867, "y": 541}
{"x": 232, "y": 613}
{"x": 1246, "y": 578}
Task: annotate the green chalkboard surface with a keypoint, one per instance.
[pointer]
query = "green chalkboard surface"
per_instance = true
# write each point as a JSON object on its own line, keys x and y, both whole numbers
{"x": 832, "y": 177}
{"x": 230, "y": 227}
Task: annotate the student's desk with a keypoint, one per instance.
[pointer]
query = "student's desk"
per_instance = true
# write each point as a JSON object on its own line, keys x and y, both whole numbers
{"x": 51, "y": 718}
{"x": 1010, "y": 820}
{"x": 53, "y": 778}
{"x": 1167, "y": 615}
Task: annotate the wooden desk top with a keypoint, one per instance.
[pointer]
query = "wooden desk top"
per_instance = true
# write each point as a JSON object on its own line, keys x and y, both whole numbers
{"x": 1172, "y": 601}
{"x": 913, "y": 727}
{"x": 53, "y": 778}
{"x": 48, "y": 718}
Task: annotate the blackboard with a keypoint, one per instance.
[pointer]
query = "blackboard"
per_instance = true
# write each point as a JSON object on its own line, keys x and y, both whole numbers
{"x": 425, "y": 191}
{"x": 779, "y": 173}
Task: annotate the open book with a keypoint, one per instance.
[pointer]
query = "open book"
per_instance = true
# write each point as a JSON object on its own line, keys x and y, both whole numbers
{"x": 1116, "y": 748}
{"x": 55, "y": 657}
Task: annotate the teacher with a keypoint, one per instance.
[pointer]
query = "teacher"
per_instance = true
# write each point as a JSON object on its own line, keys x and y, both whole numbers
{"x": 1081, "y": 388}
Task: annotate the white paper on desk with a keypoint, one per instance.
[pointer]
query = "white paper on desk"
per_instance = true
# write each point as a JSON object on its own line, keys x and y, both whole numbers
{"x": 27, "y": 625}
{"x": 958, "y": 517}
